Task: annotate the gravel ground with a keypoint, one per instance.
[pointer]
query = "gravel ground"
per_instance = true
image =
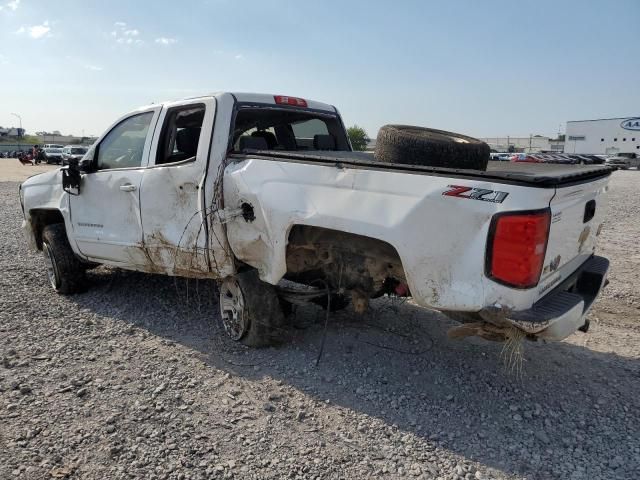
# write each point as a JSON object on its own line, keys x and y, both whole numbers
{"x": 134, "y": 379}
{"x": 11, "y": 170}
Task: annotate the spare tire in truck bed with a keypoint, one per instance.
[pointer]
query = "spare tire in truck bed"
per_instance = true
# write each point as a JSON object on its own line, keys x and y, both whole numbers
{"x": 425, "y": 146}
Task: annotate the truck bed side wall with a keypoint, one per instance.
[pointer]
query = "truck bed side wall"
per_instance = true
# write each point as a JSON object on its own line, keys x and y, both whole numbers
{"x": 441, "y": 240}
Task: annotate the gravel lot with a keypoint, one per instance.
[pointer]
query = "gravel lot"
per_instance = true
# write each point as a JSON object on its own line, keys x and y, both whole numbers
{"x": 134, "y": 379}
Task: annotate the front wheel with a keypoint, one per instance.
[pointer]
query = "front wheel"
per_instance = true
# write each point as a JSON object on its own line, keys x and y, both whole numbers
{"x": 250, "y": 310}
{"x": 64, "y": 271}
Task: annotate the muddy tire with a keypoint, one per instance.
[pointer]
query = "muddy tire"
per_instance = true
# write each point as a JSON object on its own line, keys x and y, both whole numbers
{"x": 251, "y": 311}
{"x": 65, "y": 272}
{"x": 435, "y": 148}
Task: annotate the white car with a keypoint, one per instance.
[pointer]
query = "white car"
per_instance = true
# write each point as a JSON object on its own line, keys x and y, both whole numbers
{"x": 52, "y": 155}
{"x": 624, "y": 160}
{"x": 253, "y": 189}
{"x": 73, "y": 152}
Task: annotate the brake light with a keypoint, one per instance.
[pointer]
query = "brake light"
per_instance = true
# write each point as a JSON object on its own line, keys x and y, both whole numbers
{"x": 294, "y": 101}
{"x": 517, "y": 247}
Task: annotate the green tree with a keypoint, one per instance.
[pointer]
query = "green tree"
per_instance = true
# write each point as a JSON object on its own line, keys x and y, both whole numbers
{"x": 358, "y": 137}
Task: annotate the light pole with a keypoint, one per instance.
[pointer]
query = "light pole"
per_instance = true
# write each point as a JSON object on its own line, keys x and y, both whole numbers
{"x": 19, "y": 131}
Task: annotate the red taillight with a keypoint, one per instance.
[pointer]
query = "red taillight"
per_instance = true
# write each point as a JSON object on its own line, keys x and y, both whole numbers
{"x": 294, "y": 101}
{"x": 517, "y": 246}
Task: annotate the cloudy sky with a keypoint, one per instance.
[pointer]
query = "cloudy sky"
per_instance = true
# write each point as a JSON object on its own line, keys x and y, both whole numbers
{"x": 483, "y": 68}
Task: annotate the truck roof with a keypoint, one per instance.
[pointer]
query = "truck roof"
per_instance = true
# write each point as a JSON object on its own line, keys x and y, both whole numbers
{"x": 262, "y": 98}
{"x": 271, "y": 99}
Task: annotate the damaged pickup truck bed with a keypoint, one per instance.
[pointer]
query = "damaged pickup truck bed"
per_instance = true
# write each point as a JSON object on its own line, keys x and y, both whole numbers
{"x": 255, "y": 190}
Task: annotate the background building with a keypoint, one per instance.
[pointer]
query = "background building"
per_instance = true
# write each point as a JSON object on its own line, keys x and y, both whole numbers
{"x": 603, "y": 136}
{"x": 532, "y": 143}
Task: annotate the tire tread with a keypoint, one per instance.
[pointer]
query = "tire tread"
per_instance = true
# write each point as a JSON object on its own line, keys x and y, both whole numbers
{"x": 424, "y": 146}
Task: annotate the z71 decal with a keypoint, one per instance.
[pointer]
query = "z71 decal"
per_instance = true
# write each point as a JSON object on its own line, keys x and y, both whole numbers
{"x": 483, "y": 194}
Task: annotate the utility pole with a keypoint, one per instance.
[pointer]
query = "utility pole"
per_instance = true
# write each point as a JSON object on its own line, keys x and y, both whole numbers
{"x": 19, "y": 131}
{"x": 530, "y": 135}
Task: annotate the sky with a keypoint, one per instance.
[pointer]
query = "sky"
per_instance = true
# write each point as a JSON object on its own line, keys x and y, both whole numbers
{"x": 490, "y": 68}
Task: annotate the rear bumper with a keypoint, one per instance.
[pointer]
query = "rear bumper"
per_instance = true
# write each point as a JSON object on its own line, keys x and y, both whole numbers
{"x": 562, "y": 311}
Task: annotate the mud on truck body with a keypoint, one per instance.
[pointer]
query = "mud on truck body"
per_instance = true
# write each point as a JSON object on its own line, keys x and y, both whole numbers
{"x": 260, "y": 190}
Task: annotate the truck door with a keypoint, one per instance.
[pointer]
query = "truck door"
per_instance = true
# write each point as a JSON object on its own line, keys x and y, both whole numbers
{"x": 174, "y": 214}
{"x": 106, "y": 215}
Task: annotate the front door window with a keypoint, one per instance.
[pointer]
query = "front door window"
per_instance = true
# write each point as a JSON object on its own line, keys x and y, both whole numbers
{"x": 124, "y": 144}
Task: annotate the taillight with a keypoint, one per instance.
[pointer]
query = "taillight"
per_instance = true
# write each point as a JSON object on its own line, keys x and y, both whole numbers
{"x": 294, "y": 101}
{"x": 517, "y": 246}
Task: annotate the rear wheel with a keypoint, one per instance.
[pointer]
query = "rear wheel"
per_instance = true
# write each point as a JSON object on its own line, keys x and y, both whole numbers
{"x": 250, "y": 310}
{"x": 65, "y": 272}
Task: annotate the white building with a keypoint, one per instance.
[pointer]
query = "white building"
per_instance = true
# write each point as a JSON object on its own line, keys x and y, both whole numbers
{"x": 603, "y": 136}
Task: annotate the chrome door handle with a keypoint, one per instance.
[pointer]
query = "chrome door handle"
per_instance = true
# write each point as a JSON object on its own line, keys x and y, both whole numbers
{"x": 127, "y": 187}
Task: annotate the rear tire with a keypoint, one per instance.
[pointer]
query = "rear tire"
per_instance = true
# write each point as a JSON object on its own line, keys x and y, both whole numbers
{"x": 425, "y": 146}
{"x": 251, "y": 311}
{"x": 65, "y": 272}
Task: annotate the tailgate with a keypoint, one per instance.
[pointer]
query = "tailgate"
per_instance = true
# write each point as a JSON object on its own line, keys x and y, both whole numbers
{"x": 577, "y": 214}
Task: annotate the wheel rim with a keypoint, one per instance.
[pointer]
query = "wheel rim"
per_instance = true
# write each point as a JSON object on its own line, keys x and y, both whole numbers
{"x": 50, "y": 262}
{"x": 232, "y": 310}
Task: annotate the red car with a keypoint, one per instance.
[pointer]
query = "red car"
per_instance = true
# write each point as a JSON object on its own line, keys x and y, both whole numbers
{"x": 523, "y": 157}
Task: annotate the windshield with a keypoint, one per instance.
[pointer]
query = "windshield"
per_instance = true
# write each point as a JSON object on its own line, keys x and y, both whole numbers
{"x": 266, "y": 128}
{"x": 53, "y": 150}
{"x": 78, "y": 151}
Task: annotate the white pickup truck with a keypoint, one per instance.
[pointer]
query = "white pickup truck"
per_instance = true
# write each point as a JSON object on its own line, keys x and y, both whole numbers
{"x": 264, "y": 194}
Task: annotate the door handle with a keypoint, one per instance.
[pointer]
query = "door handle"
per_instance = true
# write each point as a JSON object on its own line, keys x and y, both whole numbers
{"x": 127, "y": 187}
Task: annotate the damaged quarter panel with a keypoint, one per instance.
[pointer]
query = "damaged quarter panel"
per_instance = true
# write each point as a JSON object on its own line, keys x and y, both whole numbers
{"x": 440, "y": 239}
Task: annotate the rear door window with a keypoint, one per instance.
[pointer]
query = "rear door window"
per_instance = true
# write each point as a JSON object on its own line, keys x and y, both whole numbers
{"x": 180, "y": 135}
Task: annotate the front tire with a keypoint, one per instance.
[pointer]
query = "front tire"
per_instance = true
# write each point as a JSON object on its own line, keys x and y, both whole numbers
{"x": 64, "y": 271}
{"x": 250, "y": 310}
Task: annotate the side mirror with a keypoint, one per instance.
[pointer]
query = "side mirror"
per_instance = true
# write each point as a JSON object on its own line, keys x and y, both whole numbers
{"x": 86, "y": 165}
{"x": 71, "y": 178}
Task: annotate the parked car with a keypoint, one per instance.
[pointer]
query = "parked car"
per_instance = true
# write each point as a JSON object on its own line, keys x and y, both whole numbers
{"x": 73, "y": 152}
{"x": 52, "y": 145}
{"x": 254, "y": 189}
{"x": 52, "y": 155}
{"x": 524, "y": 157}
{"x": 561, "y": 158}
{"x": 624, "y": 161}
{"x": 501, "y": 157}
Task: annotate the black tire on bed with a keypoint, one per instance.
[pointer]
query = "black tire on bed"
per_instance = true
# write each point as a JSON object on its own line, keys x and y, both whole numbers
{"x": 425, "y": 146}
